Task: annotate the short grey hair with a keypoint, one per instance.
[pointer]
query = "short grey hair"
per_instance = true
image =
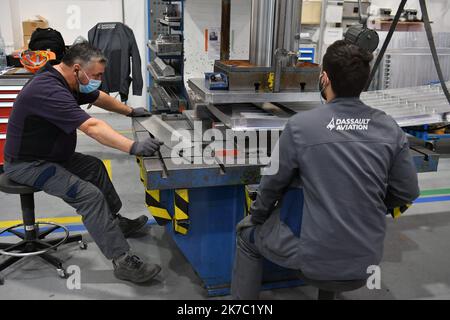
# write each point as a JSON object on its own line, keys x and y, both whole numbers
{"x": 83, "y": 53}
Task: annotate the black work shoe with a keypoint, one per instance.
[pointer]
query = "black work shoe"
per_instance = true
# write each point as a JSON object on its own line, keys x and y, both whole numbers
{"x": 130, "y": 227}
{"x": 130, "y": 268}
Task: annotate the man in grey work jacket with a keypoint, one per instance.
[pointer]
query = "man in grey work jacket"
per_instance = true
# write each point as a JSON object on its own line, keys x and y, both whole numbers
{"x": 40, "y": 152}
{"x": 354, "y": 165}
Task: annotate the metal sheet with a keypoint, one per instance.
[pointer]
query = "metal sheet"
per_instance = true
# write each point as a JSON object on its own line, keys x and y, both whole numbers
{"x": 249, "y": 117}
{"x": 411, "y": 106}
{"x": 408, "y": 106}
{"x": 198, "y": 176}
{"x": 230, "y": 97}
{"x": 159, "y": 78}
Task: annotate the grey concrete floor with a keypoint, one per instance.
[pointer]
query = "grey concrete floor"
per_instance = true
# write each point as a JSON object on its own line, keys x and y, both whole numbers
{"x": 415, "y": 264}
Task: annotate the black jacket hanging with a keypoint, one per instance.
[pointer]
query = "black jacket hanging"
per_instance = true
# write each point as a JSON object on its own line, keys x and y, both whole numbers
{"x": 118, "y": 43}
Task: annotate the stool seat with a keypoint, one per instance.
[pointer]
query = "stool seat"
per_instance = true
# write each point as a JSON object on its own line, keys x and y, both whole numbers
{"x": 328, "y": 288}
{"x": 8, "y": 186}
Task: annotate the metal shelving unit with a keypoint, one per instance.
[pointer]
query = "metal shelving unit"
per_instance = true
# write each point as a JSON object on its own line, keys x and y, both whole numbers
{"x": 163, "y": 79}
{"x": 165, "y": 55}
{"x": 159, "y": 84}
{"x": 173, "y": 24}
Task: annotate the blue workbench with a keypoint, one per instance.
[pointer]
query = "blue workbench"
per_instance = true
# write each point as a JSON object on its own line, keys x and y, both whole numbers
{"x": 210, "y": 244}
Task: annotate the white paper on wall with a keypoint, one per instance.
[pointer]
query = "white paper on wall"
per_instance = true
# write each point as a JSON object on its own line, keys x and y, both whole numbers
{"x": 333, "y": 34}
{"x": 213, "y": 43}
{"x": 334, "y": 13}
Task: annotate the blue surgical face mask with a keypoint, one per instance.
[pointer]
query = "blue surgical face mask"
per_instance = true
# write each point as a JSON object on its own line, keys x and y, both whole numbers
{"x": 91, "y": 86}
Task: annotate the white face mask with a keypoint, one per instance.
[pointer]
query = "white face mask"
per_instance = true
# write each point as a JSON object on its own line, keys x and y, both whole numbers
{"x": 91, "y": 86}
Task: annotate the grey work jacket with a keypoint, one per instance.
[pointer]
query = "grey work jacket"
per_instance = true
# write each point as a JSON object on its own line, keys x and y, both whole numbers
{"x": 354, "y": 163}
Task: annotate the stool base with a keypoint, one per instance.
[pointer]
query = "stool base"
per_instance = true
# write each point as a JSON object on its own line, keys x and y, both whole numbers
{"x": 36, "y": 245}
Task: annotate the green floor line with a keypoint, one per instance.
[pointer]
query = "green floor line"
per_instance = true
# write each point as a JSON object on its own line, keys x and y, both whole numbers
{"x": 433, "y": 192}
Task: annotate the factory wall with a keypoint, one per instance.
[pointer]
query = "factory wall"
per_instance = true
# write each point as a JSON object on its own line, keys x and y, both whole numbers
{"x": 199, "y": 15}
{"x": 64, "y": 16}
{"x": 206, "y": 14}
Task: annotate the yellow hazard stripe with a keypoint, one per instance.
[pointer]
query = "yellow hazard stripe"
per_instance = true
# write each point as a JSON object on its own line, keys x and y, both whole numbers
{"x": 400, "y": 210}
{"x": 143, "y": 175}
{"x": 155, "y": 208}
{"x": 183, "y": 194}
{"x": 57, "y": 220}
{"x": 182, "y": 204}
{"x": 180, "y": 215}
{"x": 159, "y": 213}
{"x": 155, "y": 194}
{"x": 397, "y": 213}
{"x": 180, "y": 229}
{"x": 248, "y": 202}
{"x": 107, "y": 164}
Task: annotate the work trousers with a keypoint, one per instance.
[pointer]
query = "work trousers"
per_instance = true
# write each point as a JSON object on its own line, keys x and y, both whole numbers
{"x": 83, "y": 183}
{"x": 247, "y": 268}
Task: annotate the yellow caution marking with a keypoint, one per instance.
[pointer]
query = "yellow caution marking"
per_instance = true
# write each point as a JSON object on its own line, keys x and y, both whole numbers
{"x": 183, "y": 194}
{"x": 180, "y": 215}
{"x": 397, "y": 212}
{"x": 248, "y": 202}
{"x": 107, "y": 164}
{"x": 181, "y": 220}
{"x": 142, "y": 172}
{"x": 271, "y": 80}
{"x": 180, "y": 229}
{"x": 155, "y": 194}
{"x": 153, "y": 198}
{"x": 154, "y": 206}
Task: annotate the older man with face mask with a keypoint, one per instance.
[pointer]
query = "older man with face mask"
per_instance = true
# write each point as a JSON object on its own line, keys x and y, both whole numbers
{"x": 40, "y": 152}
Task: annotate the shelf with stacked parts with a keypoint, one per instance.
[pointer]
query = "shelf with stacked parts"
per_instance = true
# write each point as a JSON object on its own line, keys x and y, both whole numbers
{"x": 163, "y": 73}
{"x": 167, "y": 92}
{"x": 156, "y": 48}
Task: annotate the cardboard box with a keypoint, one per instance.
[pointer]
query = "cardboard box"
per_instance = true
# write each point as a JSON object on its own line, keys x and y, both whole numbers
{"x": 26, "y": 41}
{"x": 30, "y": 25}
{"x": 311, "y": 12}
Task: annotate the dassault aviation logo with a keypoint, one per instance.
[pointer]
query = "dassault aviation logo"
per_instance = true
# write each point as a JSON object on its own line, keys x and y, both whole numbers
{"x": 331, "y": 125}
{"x": 348, "y": 124}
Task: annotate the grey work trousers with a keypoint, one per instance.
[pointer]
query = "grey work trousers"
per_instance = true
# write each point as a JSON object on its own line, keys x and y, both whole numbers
{"x": 248, "y": 267}
{"x": 83, "y": 183}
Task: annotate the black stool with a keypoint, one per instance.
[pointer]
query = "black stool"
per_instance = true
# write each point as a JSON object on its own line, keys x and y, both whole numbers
{"x": 33, "y": 240}
{"x": 329, "y": 289}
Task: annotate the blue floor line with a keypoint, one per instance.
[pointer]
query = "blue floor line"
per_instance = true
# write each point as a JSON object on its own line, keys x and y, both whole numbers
{"x": 71, "y": 228}
{"x": 432, "y": 199}
{"x": 79, "y": 228}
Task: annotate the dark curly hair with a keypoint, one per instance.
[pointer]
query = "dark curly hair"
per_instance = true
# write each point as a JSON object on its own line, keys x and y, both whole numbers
{"x": 348, "y": 68}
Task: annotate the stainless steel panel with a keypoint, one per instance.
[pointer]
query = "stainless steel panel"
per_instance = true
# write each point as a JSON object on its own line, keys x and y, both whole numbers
{"x": 249, "y": 117}
{"x": 231, "y": 97}
{"x": 261, "y": 32}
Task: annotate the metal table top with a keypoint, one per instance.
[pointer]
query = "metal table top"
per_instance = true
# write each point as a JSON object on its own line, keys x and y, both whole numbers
{"x": 230, "y": 97}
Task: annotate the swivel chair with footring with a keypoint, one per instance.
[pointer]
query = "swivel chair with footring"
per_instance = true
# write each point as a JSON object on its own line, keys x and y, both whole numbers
{"x": 33, "y": 240}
